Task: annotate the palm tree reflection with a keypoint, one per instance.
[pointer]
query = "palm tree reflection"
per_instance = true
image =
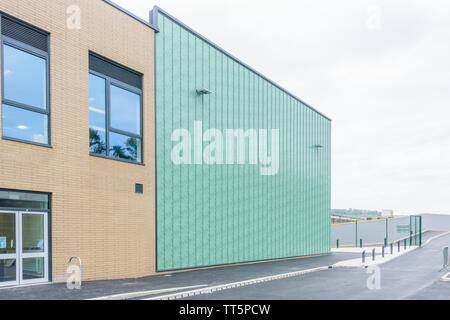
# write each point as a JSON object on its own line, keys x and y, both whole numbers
{"x": 127, "y": 152}
{"x": 96, "y": 144}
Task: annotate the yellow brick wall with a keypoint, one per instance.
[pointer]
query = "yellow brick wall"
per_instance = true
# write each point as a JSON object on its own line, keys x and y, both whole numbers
{"x": 95, "y": 213}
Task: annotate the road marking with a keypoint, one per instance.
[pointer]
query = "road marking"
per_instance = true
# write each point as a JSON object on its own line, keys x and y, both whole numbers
{"x": 221, "y": 287}
{"x": 435, "y": 237}
{"x": 446, "y": 277}
{"x": 131, "y": 295}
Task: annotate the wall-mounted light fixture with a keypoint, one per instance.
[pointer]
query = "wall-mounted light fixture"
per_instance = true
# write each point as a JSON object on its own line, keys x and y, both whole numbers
{"x": 318, "y": 146}
{"x": 203, "y": 91}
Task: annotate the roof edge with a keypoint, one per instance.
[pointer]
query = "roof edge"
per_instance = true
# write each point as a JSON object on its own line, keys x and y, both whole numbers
{"x": 154, "y": 23}
{"x": 128, "y": 13}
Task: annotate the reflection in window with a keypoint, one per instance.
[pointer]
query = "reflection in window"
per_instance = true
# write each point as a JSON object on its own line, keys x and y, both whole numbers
{"x": 24, "y": 125}
{"x": 97, "y": 142}
{"x": 33, "y": 268}
{"x": 7, "y": 233}
{"x": 25, "y": 105}
{"x": 125, "y": 110}
{"x": 125, "y": 148}
{"x": 25, "y": 77}
{"x": 25, "y": 200}
{"x": 7, "y": 270}
{"x": 32, "y": 233}
{"x": 119, "y": 105}
{"x": 97, "y": 115}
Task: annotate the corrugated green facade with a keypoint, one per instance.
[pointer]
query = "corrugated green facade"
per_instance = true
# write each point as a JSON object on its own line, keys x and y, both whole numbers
{"x": 222, "y": 214}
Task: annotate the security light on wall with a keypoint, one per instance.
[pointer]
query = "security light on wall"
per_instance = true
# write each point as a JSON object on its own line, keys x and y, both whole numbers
{"x": 203, "y": 91}
{"x": 318, "y": 146}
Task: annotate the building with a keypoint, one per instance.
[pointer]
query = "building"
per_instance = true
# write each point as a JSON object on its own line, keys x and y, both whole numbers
{"x": 387, "y": 213}
{"x": 219, "y": 214}
{"x": 126, "y": 196}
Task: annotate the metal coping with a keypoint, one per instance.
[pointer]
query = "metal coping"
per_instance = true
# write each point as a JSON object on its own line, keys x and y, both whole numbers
{"x": 154, "y": 23}
{"x": 131, "y": 14}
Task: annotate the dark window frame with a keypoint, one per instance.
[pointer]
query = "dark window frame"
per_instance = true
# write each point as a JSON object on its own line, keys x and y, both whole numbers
{"x": 109, "y": 81}
{"x": 49, "y": 222}
{"x": 5, "y": 40}
{"x": 48, "y": 194}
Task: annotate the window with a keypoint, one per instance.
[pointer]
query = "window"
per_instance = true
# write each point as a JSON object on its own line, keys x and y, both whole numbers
{"x": 25, "y": 200}
{"x": 115, "y": 110}
{"x": 25, "y": 102}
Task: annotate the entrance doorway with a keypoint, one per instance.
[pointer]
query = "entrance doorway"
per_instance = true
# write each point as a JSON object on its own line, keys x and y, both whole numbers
{"x": 23, "y": 247}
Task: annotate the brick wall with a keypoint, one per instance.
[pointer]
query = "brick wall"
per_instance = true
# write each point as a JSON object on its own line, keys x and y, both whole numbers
{"x": 96, "y": 214}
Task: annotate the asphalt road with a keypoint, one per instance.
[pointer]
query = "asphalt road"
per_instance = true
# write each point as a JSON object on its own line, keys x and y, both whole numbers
{"x": 206, "y": 277}
{"x": 415, "y": 275}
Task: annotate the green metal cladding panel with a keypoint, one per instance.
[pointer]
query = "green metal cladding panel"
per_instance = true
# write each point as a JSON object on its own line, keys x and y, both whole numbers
{"x": 221, "y": 214}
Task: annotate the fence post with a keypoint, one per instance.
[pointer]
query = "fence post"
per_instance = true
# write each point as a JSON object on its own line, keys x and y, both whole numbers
{"x": 445, "y": 257}
{"x": 415, "y": 230}
{"x": 385, "y": 242}
{"x": 382, "y": 252}
{"x": 360, "y": 243}
{"x": 392, "y": 248}
{"x": 364, "y": 256}
{"x": 420, "y": 231}
{"x": 337, "y": 243}
{"x": 373, "y": 254}
{"x": 398, "y": 246}
{"x": 405, "y": 243}
{"x": 410, "y": 230}
{"x": 387, "y": 233}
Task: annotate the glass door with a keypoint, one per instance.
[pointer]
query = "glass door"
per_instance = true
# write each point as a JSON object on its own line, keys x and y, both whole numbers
{"x": 9, "y": 262}
{"x": 34, "y": 247}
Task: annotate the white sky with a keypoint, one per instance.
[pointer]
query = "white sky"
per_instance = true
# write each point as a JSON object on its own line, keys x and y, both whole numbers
{"x": 379, "y": 69}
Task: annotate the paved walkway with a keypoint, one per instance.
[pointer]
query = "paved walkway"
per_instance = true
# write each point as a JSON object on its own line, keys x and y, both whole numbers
{"x": 175, "y": 282}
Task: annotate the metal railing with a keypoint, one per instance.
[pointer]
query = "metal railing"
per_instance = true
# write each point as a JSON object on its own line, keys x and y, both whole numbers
{"x": 399, "y": 245}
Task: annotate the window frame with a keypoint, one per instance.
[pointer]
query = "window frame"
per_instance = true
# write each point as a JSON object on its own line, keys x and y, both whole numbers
{"x": 5, "y": 40}
{"x": 109, "y": 81}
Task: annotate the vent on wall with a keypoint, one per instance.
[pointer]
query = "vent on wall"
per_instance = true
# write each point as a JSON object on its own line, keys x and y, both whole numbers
{"x": 115, "y": 71}
{"x": 24, "y": 34}
{"x": 139, "y": 188}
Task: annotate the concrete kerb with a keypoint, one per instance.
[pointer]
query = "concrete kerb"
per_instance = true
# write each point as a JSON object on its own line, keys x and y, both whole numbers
{"x": 209, "y": 290}
{"x": 131, "y": 295}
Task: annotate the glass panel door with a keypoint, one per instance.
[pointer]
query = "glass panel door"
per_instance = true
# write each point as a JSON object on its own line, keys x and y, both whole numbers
{"x": 34, "y": 252}
{"x": 9, "y": 264}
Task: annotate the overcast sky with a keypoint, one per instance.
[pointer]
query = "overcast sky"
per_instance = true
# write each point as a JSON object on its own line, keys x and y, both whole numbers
{"x": 379, "y": 69}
